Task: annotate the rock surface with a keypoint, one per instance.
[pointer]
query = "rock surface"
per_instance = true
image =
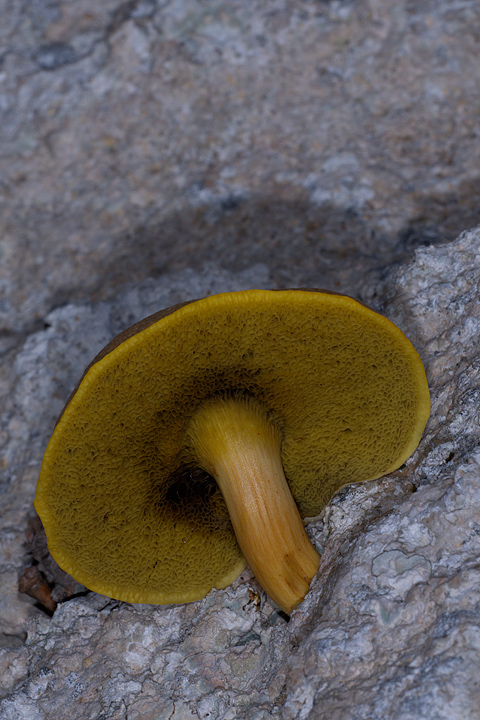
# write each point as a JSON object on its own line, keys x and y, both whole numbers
{"x": 155, "y": 150}
{"x": 391, "y": 627}
{"x": 142, "y": 136}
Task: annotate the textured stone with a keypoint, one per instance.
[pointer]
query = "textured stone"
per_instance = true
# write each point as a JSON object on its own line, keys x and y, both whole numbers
{"x": 137, "y": 137}
{"x": 391, "y": 626}
{"x": 400, "y": 637}
{"x": 326, "y": 141}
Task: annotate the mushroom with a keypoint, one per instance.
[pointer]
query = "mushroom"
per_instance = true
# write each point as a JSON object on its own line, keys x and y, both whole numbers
{"x": 201, "y": 436}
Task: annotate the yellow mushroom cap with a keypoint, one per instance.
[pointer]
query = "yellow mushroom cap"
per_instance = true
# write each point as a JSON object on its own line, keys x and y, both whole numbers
{"x": 125, "y": 509}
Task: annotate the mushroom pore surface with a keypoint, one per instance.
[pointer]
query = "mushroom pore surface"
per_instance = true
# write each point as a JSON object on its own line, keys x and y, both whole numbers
{"x": 127, "y": 509}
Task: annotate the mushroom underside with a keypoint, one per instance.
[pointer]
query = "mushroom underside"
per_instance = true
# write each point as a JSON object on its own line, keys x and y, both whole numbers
{"x": 138, "y": 516}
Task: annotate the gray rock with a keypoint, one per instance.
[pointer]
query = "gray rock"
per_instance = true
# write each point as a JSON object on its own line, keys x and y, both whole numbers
{"x": 400, "y": 635}
{"x": 53, "y": 56}
{"x": 391, "y": 626}
{"x": 325, "y": 139}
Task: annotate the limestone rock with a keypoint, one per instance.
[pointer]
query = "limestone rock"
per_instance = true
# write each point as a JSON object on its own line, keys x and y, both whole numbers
{"x": 391, "y": 626}
{"x": 399, "y": 636}
{"x": 144, "y": 136}
{"x": 326, "y": 141}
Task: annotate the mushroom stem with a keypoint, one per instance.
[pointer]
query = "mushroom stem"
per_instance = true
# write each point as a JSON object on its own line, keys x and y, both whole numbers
{"x": 235, "y": 442}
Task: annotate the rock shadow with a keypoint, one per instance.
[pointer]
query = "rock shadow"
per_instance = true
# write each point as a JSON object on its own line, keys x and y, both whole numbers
{"x": 302, "y": 244}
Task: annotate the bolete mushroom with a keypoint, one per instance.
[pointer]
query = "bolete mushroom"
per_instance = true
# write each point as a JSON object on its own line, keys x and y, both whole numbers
{"x": 201, "y": 436}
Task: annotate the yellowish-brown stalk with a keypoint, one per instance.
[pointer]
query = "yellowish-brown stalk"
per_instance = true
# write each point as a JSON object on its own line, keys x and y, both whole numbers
{"x": 235, "y": 442}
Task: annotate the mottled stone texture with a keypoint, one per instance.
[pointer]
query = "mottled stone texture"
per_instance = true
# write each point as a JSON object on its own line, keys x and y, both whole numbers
{"x": 391, "y": 626}
{"x": 146, "y": 135}
{"x": 157, "y": 150}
